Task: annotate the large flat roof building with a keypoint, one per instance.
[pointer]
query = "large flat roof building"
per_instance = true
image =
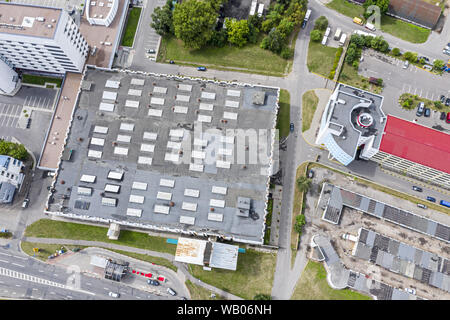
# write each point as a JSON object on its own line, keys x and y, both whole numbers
{"x": 354, "y": 126}
{"x": 140, "y": 159}
{"x": 41, "y": 39}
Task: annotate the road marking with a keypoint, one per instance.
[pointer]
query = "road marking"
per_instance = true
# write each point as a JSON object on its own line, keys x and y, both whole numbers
{"x": 52, "y": 292}
{"x": 4, "y": 261}
{"x": 19, "y": 265}
{"x": 89, "y": 284}
{"x": 20, "y": 258}
{"x": 17, "y": 285}
{"x": 106, "y": 289}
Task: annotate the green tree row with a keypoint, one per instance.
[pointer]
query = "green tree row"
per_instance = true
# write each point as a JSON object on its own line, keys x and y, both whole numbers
{"x": 14, "y": 150}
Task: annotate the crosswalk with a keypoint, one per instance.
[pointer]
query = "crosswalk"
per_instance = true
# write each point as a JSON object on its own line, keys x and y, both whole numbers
{"x": 27, "y": 277}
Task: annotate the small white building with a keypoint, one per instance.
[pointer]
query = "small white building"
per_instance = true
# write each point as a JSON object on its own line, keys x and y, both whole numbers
{"x": 11, "y": 177}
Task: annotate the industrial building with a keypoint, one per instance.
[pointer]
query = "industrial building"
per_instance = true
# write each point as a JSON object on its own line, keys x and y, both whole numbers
{"x": 41, "y": 39}
{"x": 137, "y": 159}
{"x": 353, "y": 126}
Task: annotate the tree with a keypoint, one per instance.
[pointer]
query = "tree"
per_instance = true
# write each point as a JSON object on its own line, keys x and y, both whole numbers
{"x": 316, "y": 35}
{"x": 382, "y": 4}
{"x": 299, "y": 223}
{"x": 193, "y": 22}
{"x": 438, "y": 64}
{"x": 321, "y": 23}
{"x": 237, "y": 31}
{"x": 262, "y": 296}
{"x": 219, "y": 38}
{"x": 303, "y": 184}
{"x": 285, "y": 27}
{"x": 396, "y": 52}
{"x": 357, "y": 40}
{"x": 162, "y": 19}
{"x": 410, "y": 56}
{"x": 273, "y": 42}
{"x": 355, "y": 64}
{"x": 296, "y": 11}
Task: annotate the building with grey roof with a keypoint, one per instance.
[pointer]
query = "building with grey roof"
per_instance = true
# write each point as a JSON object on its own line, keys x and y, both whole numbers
{"x": 164, "y": 153}
{"x": 402, "y": 258}
{"x": 352, "y": 118}
{"x": 335, "y": 198}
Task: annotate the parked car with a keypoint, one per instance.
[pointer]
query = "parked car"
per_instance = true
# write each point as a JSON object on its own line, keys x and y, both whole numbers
{"x": 114, "y": 294}
{"x": 447, "y": 52}
{"x": 291, "y": 127}
{"x": 201, "y": 68}
{"x": 171, "y": 291}
{"x": 427, "y": 112}
{"x": 442, "y": 117}
{"x": 28, "y": 123}
{"x": 405, "y": 64}
{"x": 442, "y": 98}
{"x": 447, "y": 102}
{"x": 153, "y": 282}
{"x": 418, "y": 189}
{"x": 428, "y": 67}
{"x": 420, "y": 109}
{"x": 25, "y": 203}
{"x": 448, "y": 117}
{"x": 171, "y": 62}
{"x": 422, "y": 206}
{"x": 409, "y": 290}
{"x": 151, "y": 51}
{"x": 431, "y": 199}
{"x": 304, "y": 24}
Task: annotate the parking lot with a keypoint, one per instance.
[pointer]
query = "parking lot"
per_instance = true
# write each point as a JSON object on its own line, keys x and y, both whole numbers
{"x": 398, "y": 80}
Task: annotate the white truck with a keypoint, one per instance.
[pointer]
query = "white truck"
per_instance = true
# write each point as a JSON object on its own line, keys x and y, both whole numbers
{"x": 337, "y": 35}
{"x": 342, "y": 40}
{"x": 307, "y": 15}
{"x": 324, "y": 40}
{"x": 370, "y": 26}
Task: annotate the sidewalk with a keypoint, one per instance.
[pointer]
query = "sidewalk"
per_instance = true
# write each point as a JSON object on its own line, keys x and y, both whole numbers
{"x": 311, "y": 134}
{"x": 181, "y": 266}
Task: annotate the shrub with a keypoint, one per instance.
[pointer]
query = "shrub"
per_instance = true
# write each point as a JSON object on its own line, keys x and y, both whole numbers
{"x": 316, "y": 35}
{"x": 355, "y": 65}
{"x": 332, "y": 74}
{"x": 287, "y": 53}
{"x": 396, "y": 52}
{"x": 321, "y": 23}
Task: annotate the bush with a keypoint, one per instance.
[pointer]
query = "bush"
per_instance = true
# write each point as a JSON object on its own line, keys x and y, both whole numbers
{"x": 380, "y": 82}
{"x": 396, "y": 52}
{"x": 438, "y": 105}
{"x": 321, "y": 23}
{"x": 219, "y": 38}
{"x": 299, "y": 223}
{"x": 355, "y": 65}
{"x": 287, "y": 53}
{"x": 6, "y": 235}
{"x": 332, "y": 74}
{"x": 316, "y": 35}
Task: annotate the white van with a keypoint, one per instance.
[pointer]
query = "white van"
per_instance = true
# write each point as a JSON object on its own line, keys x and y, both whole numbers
{"x": 343, "y": 38}
{"x": 327, "y": 32}
{"x": 324, "y": 40}
{"x": 337, "y": 35}
{"x": 370, "y": 26}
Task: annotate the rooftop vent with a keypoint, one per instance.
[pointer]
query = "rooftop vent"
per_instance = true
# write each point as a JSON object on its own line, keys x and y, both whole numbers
{"x": 11, "y": 19}
{"x": 53, "y": 20}
{"x": 49, "y": 26}
{"x": 41, "y": 19}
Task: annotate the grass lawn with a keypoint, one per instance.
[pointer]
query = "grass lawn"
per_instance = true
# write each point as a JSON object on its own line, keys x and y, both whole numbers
{"x": 130, "y": 29}
{"x": 250, "y": 58}
{"x": 45, "y": 249}
{"x": 404, "y": 30}
{"x": 313, "y": 285}
{"x": 320, "y": 58}
{"x": 296, "y": 210}
{"x": 39, "y": 80}
{"x": 46, "y": 228}
{"x": 200, "y": 293}
{"x": 346, "y": 8}
{"x": 254, "y": 274}
{"x": 351, "y": 77}
{"x": 309, "y": 105}
{"x": 283, "y": 120}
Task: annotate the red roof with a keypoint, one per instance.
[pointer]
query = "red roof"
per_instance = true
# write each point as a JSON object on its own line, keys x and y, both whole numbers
{"x": 416, "y": 143}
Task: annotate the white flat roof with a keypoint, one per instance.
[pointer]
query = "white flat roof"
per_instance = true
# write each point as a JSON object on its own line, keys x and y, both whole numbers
{"x": 200, "y": 142}
{"x": 136, "y": 199}
{"x": 112, "y": 84}
{"x": 88, "y": 178}
{"x": 196, "y": 167}
{"x": 161, "y": 209}
{"x": 123, "y": 138}
{"x": 230, "y": 115}
{"x": 84, "y": 191}
{"x": 194, "y": 193}
{"x": 134, "y": 212}
{"x": 198, "y": 154}
{"x": 109, "y": 95}
{"x": 134, "y": 92}
{"x": 208, "y": 95}
{"x": 187, "y": 220}
{"x": 174, "y": 157}
{"x": 232, "y": 104}
{"x": 127, "y": 126}
{"x": 190, "y": 251}
{"x": 166, "y": 183}
{"x": 104, "y": 106}
{"x": 98, "y": 141}
{"x": 173, "y": 145}
{"x": 94, "y": 154}
{"x": 178, "y": 133}
{"x": 115, "y": 175}
{"x": 219, "y": 190}
{"x": 158, "y": 101}
{"x": 215, "y": 216}
{"x": 183, "y": 98}
{"x": 233, "y": 93}
{"x": 155, "y": 112}
{"x": 160, "y": 90}
{"x": 206, "y": 106}
{"x": 189, "y": 206}
{"x": 100, "y": 129}
{"x": 217, "y": 203}
{"x": 225, "y": 152}
{"x": 121, "y": 151}
{"x": 185, "y": 87}
{"x": 147, "y": 147}
{"x": 109, "y": 201}
{"x": 137, "y": 82}
{"x": 227, "y": 139}
{"x": 139, "y": 185}
{"x": 150, "y": 135}
{"x": 179, "y": 109}
{"x": 223, "y": 164}
{"x": 112, "y": 188}
{"x": 132, "y": 104}
{"x": 164, "y": 195}
{"x": 145, "y": 160}
{"x": 204, "y": 118}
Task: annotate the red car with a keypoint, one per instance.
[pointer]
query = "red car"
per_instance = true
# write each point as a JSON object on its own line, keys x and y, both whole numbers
{"x": 448, "y": 117}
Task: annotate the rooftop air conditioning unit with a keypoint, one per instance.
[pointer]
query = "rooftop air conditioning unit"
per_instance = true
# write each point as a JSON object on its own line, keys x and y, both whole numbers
{"x": 49, "y": 26}
{"x": 41, "y": 19}
{"x": 53, "y": 20}
{"x": 11, "y": 19}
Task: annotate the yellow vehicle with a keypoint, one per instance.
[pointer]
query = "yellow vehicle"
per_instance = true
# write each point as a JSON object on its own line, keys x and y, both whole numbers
{"x": 358, "y": 21}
